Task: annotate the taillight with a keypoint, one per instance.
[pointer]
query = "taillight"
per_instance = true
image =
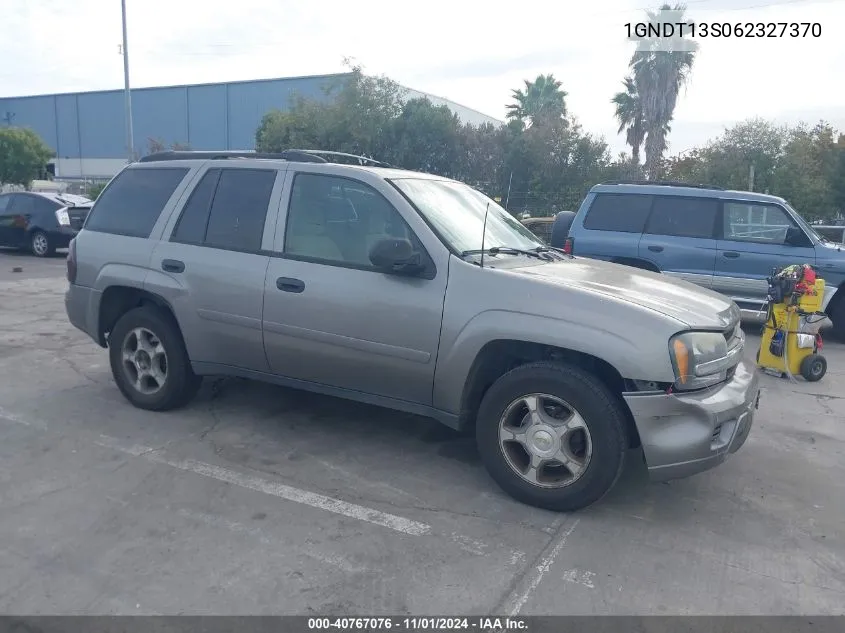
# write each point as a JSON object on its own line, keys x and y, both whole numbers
{"x": 568, "y": 245}
{"x": 71, "y": 261}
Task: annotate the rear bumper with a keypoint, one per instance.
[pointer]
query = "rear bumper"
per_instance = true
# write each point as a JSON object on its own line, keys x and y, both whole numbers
{"x": 82, "y": 307}
{"x": 61, "y": 237}
{"x": 684, "y": 434}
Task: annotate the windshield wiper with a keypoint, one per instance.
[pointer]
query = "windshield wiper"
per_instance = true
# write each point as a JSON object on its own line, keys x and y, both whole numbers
{"x": 504, "y": 250}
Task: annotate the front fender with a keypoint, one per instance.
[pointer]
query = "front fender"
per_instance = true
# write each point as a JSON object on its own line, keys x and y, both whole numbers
{"x": 628, "y": 350}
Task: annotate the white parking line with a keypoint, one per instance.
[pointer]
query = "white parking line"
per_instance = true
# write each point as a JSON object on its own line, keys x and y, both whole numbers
{"x": 251, "y": 482}
{"x": 513, "y": 603}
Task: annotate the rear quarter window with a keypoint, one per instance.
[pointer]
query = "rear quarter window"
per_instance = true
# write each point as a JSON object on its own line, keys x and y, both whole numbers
{"x": 622, "y": 212}
{"x": 132, "y": 202}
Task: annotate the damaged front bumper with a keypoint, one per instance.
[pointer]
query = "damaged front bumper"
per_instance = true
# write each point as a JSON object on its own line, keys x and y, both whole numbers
{"x": 686, "y": 433}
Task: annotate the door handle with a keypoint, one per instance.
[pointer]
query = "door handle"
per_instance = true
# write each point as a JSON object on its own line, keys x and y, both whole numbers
{"x": 172, "y": 265}
{"x": 730, "y": 254}
{"x": 655, "y": 249}
{"x": 288, "y": 284}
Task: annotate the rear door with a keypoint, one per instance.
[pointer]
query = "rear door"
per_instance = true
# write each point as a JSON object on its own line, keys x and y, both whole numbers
{"x": 680, "y": 237}
{"x": 751, "y": 244}
{"x": 212, "y": 268}
{"x": 612, "y": 227}
{"x": 6, "y": 219}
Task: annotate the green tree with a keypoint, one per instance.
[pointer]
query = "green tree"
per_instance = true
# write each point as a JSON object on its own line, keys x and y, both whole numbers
{"x": 660, "y": 70}
{"x": 23, "y": 156}
{"x": 426, "y": 138}
{"x": 629, "y": 113}
{"x": 804, "y": 175}
{"x": 540, "y": 102}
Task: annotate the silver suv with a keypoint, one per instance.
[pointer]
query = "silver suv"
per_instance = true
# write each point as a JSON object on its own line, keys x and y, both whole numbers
{"x": 376, "y": 284}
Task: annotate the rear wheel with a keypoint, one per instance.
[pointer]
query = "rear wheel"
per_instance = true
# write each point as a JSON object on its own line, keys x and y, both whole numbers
{"x": 552, "y": 436}
{"x": 149, "y": 362}
{"x": 813, "y": 367}
{"x": 40, "y": 245}
{"x": 837, "y": 315}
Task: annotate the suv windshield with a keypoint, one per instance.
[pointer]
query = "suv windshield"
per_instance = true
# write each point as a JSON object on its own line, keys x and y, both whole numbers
{"x": 456, "y": 211}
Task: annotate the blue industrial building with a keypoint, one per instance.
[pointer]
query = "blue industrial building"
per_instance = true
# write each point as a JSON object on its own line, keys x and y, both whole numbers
{"x": 87, "y": 129}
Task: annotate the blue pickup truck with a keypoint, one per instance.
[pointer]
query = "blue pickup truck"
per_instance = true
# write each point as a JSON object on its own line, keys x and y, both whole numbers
{"x": 729, "y": 241}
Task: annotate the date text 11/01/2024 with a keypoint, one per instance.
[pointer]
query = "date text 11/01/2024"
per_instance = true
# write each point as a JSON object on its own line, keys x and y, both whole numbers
{"x": 641, "y": 30}
{"x": 485, "y": 624}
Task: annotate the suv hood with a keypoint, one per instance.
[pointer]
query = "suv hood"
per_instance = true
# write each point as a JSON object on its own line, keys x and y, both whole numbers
{"x": 692, "y": 305}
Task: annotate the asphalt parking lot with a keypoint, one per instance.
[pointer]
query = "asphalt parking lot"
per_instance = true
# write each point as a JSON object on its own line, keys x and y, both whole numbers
{"x": 262, "y": 500}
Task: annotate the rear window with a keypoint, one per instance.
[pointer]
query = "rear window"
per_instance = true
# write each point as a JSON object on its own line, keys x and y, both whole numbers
{"x": 683, "y": 217}
{"x": 132, "y": 202}
{"x": 624, "y": 212}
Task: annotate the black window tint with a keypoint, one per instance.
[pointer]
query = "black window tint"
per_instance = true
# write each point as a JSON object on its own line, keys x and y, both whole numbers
{"x": 240, "y": 208}
{"x": 339, "y": 220}
{"x": 683, "y": 217}
{"x": 190, "y": 229}
{"x": 618, "y": 212}
{"x": 4, "y": 202}
{"x": 23, "y": 204}
{"x": 131, "y": 204}
{"x": 45, "y": 205}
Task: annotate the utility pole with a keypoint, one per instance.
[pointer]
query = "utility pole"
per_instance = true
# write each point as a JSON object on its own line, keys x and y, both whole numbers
{"x": 130, "y": 137}
{"x": 751, "y": 177}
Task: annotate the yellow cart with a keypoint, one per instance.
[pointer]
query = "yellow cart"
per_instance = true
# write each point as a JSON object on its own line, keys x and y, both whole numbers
{"x": 791, "y": 342}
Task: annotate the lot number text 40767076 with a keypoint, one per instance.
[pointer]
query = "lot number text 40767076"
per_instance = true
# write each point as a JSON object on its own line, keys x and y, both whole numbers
{"x": 424, "y": 623}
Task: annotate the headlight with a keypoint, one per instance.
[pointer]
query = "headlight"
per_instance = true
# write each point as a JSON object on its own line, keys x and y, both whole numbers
{"x": 62, "y": 217}
{"x": 701, "y": 359}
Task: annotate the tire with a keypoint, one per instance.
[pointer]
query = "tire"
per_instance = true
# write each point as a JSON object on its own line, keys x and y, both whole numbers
{"x": 837, "y": 315}
{"x": 40, "y": 245}
{"x": 603, "y": 417}
{"x": 179, "y": 384}
{"x": 814, "y": 367}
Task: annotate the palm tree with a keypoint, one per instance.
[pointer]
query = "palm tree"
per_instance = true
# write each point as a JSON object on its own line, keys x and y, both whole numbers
{"x": 658, "y": 76}
{"x": 541, "y": 101}
{"x": 629, "y": 113}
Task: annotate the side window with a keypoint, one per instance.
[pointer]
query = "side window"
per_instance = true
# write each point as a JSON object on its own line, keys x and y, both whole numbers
{"x": 132, "y": 202}
{"x": 190, "y": 228}
{"x": 683, "y": 217}
{"x": 623, "y": 212}
{"x": 4, "y": 202}
{"x": 45, "y": 205}
{"x": 239, "y": 209}
{"x": 339, "y": 220}
{"x": 24, "y": 204}
{"x": 752, "y": 222}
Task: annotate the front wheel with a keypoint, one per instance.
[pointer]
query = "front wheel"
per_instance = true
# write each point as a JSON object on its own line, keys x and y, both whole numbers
{"x": 552, "y": 436}
{"x": 149, "y": 362}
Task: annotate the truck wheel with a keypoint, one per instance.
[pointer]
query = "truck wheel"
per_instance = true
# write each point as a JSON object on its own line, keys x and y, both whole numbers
{"x": 552, "y": 436}
{"x": 837, "y": 315}
{"x": 813, "y": 367}
{"x": 149, "y": 362}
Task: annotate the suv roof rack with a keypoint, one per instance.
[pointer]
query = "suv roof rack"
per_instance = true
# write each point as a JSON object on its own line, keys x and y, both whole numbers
{"x": 662, "y": 183}
{"x": 297, "y": 155}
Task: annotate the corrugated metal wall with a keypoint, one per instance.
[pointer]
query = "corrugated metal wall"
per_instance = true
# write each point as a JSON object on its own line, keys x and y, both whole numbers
{"x": 218, "y": 116}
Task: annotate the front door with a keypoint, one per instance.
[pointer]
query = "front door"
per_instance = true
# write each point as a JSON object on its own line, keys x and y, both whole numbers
{"x": 331, "y": 317}
{"x": 680, "y": 238}
{"x": 213, "y": 267}
{"x": 751, "y": 245}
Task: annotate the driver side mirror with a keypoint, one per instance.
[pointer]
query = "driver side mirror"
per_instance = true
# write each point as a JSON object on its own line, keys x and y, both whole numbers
{"x": 396, "y": 256}
{"x": 796, "y": 237}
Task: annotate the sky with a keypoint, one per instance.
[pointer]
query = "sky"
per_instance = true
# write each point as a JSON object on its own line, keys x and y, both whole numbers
{"x": 468, "y": 51}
